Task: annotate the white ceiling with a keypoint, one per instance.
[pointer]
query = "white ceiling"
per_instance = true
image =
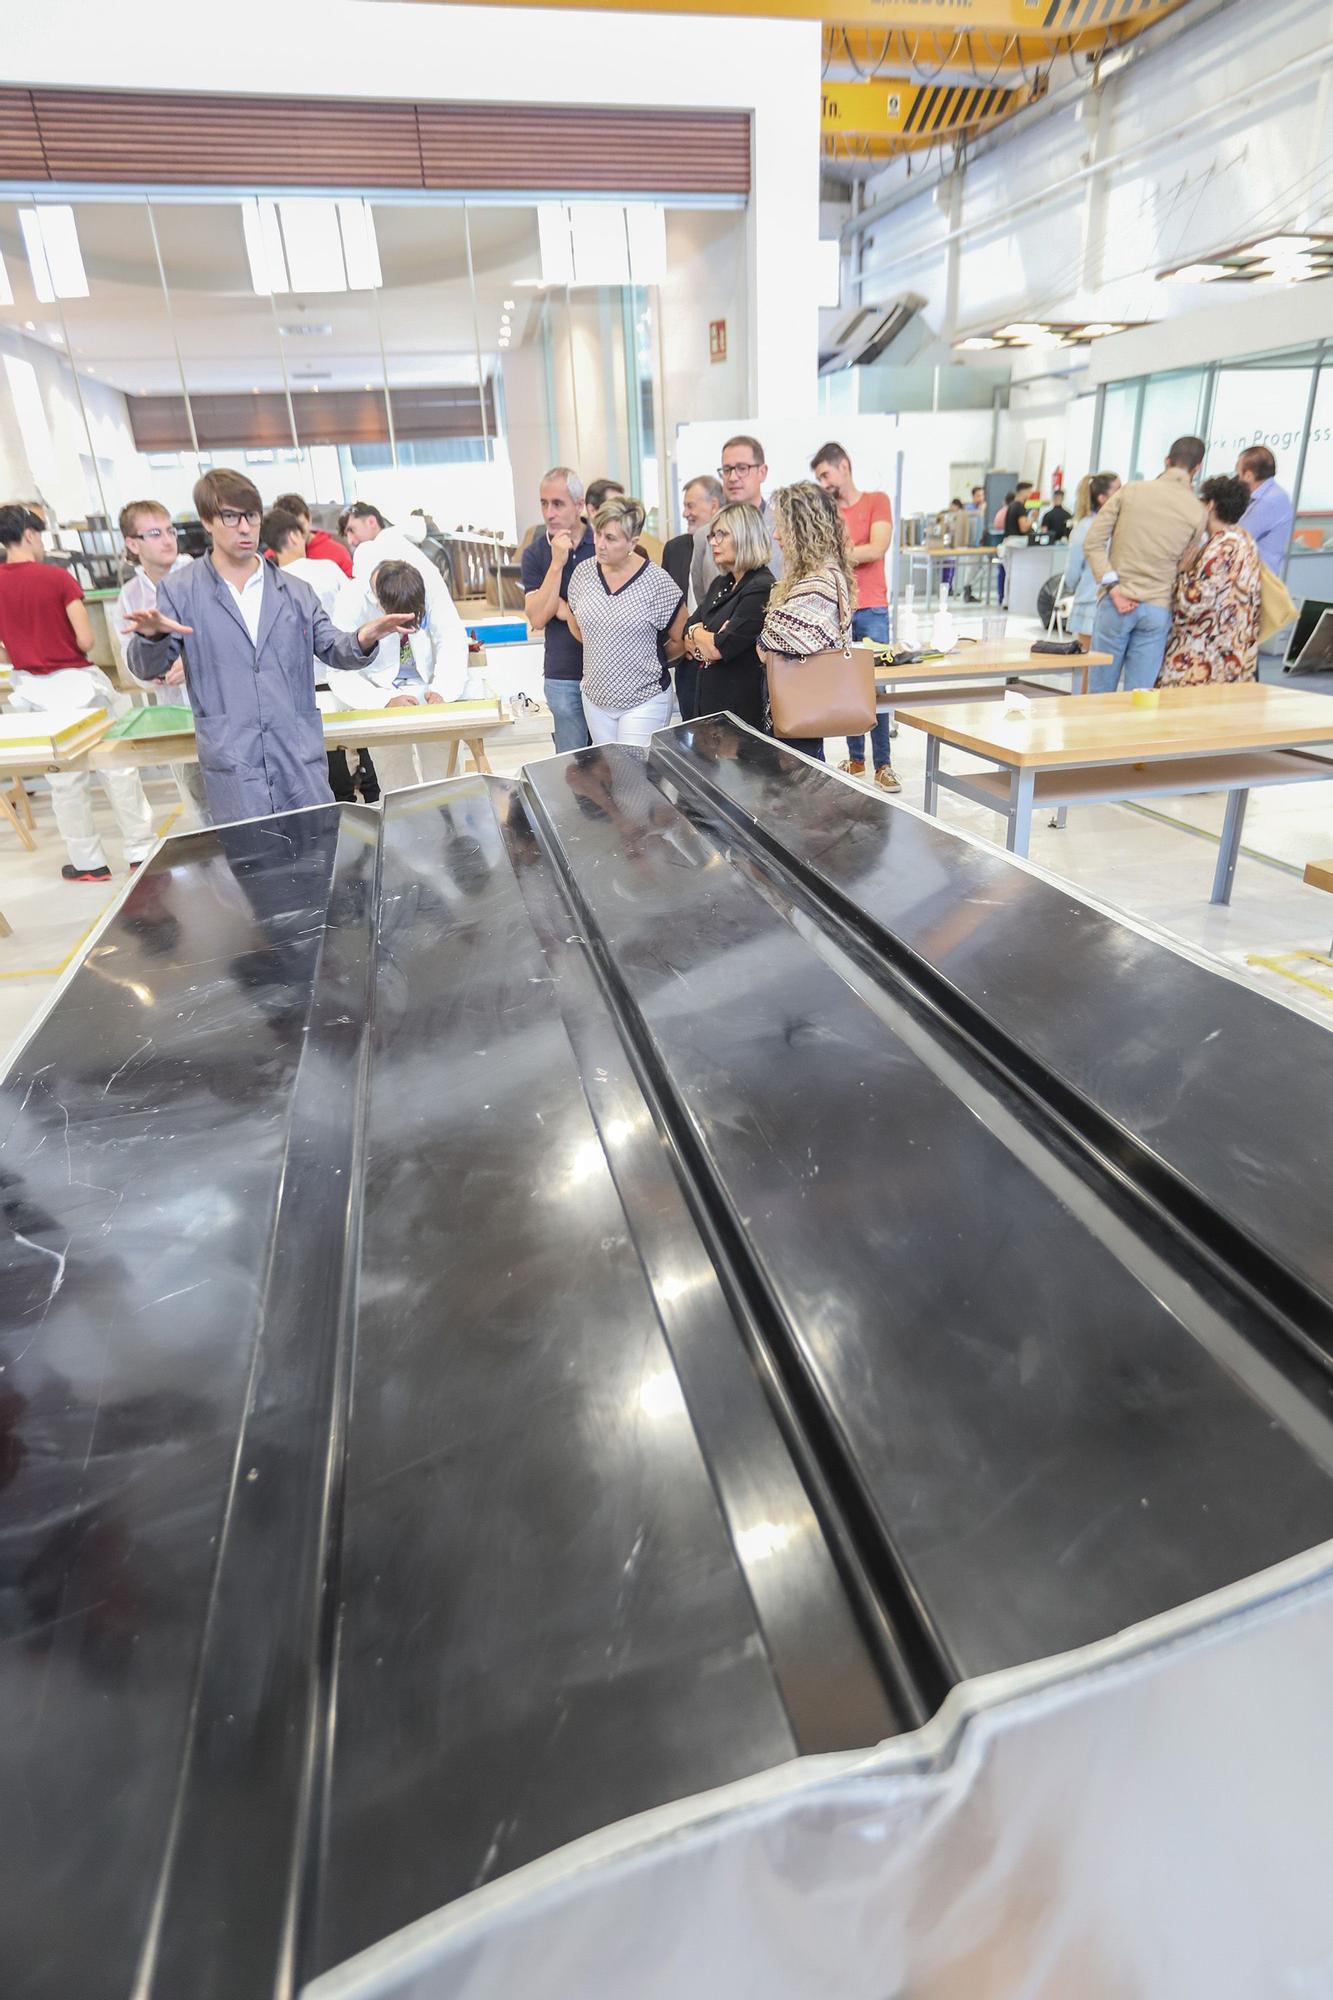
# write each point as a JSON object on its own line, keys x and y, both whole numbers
{"x": 228, "y": 337}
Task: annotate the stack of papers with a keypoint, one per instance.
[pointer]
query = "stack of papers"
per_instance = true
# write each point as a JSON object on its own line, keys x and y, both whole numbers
{"x": 50, "y": 736}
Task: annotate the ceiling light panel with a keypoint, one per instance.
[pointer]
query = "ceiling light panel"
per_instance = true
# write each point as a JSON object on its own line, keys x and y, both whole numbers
{"x": 54, "y": 257}
{"x": 1272, "y": 260}
{"x": 361, "y": 250}
{"x": 263, "y": 246}
{"x": 313, "y": 242}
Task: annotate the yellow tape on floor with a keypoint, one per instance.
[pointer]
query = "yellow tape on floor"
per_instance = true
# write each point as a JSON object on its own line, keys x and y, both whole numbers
{"x": 1279, "y": 964}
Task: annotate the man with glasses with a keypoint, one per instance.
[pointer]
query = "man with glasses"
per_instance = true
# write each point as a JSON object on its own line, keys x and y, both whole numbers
{"x": 743, "y": 471}
{"x": 151, "y": 545}
{"x": 249, "y": 633}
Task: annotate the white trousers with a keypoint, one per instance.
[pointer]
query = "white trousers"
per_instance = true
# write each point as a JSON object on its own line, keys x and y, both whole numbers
{"x": 628, "y": 725}
{"x": 67, "y": 692}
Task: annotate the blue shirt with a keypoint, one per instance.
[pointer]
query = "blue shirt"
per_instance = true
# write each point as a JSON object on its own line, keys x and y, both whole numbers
{"x": 564, "y": 655}
{"x": 1268, "y": 519}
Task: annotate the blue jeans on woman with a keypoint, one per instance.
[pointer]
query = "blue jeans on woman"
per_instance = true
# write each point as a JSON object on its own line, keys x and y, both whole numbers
{"x": 872, "y": 625}
{"x": 1136, "y": 641}
{"x": 565, "y": 701}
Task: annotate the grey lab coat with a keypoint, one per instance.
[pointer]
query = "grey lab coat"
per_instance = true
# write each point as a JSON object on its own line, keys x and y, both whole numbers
{"x": 257, "y": 729}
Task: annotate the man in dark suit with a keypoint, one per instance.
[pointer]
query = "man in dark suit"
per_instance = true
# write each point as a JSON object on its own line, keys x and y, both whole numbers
{"x": 701, "y": 500}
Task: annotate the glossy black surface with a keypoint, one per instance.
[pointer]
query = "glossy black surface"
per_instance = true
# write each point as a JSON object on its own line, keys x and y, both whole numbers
{"x": 574, "y": 1292}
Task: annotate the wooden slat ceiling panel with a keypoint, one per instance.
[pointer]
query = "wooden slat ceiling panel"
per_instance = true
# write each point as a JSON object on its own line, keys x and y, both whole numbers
{"x": 172, "y": 138}
{"x": 21, "y": 156}
{"x": 573, "y": 147}
{"x": 335, "y": 416}
{"x": 169, "y": 138}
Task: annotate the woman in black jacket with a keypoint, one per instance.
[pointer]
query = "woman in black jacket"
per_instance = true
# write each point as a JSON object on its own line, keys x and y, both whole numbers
{"x": 724, "y": 631}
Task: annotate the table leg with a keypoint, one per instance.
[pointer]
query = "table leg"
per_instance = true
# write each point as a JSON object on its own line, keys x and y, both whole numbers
{"x": 930, "y": 798}
{"x": 7, "y": 808}
{"x": 451, "y": 768}
{"x": 6, "y": 929}
{"x": 1058, "y": 819}
{"x": 480, "y": 761}
{"x": 1019, "y": 828}
{"x": 1083, "y": 680}
{"x": 1232, "y": 826}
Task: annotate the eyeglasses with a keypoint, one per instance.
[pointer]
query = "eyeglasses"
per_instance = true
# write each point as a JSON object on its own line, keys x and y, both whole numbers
{"x": 724, "y": 471}
{"x": 231, "y": 517}
{"x": 152, "y": 535}
{"x": 718, "y": 534}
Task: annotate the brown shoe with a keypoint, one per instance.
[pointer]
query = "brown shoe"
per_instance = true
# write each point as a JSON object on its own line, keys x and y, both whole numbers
{"x": 852, "y": 768}
{"x": 887, "y": 779}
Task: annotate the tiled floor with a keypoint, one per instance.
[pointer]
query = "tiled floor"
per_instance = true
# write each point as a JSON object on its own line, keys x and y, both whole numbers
{"x": 1154, "y": 864}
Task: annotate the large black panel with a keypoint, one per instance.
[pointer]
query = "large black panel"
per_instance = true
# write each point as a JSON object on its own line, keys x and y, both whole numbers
{"x": 564, "y": 1294}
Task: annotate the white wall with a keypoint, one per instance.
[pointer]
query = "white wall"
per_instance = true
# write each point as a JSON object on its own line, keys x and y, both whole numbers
{"x": 483, "y": 55}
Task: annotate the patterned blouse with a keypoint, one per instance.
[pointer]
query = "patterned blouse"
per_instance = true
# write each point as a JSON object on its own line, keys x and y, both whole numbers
{"x": 1215, "y": 625}
{"x": 816, "y": 617}
{"x": 623, "y": 632}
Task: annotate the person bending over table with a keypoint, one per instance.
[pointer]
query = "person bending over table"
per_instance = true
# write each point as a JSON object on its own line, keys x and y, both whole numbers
{"x": 424, "y": 663}
{"x": 628, "y": 616}
{"x": 724, "y": 632}
{"x": 1215, "y": 609}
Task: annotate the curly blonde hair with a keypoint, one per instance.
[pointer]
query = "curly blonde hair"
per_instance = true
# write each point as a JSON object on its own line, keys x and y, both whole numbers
{"x": 813, "y": 538}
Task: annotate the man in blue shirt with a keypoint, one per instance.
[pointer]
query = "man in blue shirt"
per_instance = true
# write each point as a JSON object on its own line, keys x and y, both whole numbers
{"x": 1268, "y": 516}
{"x": 548, "y": 563}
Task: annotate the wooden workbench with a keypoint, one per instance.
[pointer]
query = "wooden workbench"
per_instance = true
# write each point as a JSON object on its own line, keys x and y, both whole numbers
{"x": 1228, "y": 738}
{"x": 1003, "y": 662}
{"x": 454, "y": 723}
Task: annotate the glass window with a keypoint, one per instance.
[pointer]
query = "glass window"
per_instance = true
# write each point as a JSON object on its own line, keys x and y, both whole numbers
{"x": 1314, "y": 514}
{"x": 1172, "y": 408}
{"x": 1120, "y": 411}
{"x": 1260, "y": 402}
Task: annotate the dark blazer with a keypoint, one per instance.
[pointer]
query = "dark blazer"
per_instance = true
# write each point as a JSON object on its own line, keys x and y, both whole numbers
{"x": 257, "y": 731}
{"x": 734, "y": 614}
{"x": 677, "y": 555}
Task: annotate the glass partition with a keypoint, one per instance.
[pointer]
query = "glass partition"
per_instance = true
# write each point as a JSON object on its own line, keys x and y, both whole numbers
{"x": 1173, "y": 407}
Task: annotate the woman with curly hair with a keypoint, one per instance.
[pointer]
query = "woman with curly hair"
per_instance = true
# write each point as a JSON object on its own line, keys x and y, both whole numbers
{"x": 811, "y": 608}
{"x": 1215, "y": 623}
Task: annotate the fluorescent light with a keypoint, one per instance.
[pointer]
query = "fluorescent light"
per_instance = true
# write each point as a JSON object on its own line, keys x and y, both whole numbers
{"x": 263, "y": 246}
{"x": 314, "y": 246}
{"x": 1201, "y": 274}
{"x": 54, "y": 257}
{"x": 1282, "y": 247}
{"x": 509, "y": 305}
{"x": 1098, "y": 329}
{"x": 645, "y": 230}
{"x": 557, "y": 250}
{"x": 1023, "y": 329}
{"x": 360, "y": 246}
{"x": 601, "y": 245}
{"x": 979, "y": 343}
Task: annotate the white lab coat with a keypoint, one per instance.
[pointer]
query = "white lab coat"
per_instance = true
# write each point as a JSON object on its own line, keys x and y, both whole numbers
{"x": 439, "y": 649}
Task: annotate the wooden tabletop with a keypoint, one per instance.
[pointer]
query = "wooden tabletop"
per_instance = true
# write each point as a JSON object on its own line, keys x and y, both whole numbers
{"x": 1002, "y": 656}
{"x": 423, "y": 723}
{"x": 1109, "y": 729}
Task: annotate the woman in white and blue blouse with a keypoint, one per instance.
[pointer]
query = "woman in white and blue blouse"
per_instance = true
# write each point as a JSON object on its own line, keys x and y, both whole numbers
{"x": 629, "y": 617}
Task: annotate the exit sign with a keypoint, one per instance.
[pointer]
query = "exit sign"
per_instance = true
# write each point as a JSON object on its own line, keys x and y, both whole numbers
{"x": 717, "y": 340}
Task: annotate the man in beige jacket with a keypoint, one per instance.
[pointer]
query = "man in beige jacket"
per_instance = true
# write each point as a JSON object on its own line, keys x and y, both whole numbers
{"x": 1134, "y": 548}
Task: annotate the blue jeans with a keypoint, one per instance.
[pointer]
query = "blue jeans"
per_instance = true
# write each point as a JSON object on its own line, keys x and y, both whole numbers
{"x": 1136, "y": 641}
{"x": 565, "y": 701}
{"x": 872, "y": 625}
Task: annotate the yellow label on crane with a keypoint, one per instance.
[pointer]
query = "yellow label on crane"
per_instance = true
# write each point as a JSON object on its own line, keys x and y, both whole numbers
{"x": 894, "y": 107}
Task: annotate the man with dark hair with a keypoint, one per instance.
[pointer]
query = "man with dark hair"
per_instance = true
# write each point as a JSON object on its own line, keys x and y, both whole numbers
{"x": 45, "y": 632}
{"x": 1133, "y": 549}
{"x": 868, "y": 519}
{"x": 598, "y": 493}
{"x": 247, "y": 632}
{"x": 374, "y": 540}
{"x": 320, "y": 546}
{"x": 742, "y": 472}
{"x": 1268, "y": 517}
{"x": 282, "y": 535}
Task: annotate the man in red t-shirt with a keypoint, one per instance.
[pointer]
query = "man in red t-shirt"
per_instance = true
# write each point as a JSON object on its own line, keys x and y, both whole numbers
{"x": 320, "y": 546}
{"x": 45, "y": 632}
{"x": 868, "y": 518}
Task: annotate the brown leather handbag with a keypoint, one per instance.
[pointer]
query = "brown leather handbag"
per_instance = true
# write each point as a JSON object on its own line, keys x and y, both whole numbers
{"x": 824, "y": 694}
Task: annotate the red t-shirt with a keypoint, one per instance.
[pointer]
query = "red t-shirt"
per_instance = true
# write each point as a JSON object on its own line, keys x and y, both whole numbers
{"x": 324, "y": 547}
{"x": 34, "y": 630}
{"x": 872, "y": 591}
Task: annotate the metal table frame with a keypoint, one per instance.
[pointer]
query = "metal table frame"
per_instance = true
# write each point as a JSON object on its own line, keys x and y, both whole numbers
{"x": 1108, "y": 784}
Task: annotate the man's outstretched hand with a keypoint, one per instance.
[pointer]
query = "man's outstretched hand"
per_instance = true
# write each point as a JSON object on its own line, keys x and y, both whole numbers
{"x": 389, "y": 626}
{"x": 152, "y": 625}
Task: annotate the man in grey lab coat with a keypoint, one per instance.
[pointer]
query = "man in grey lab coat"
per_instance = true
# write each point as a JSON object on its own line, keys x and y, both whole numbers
{"x": 250, "y": 634}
